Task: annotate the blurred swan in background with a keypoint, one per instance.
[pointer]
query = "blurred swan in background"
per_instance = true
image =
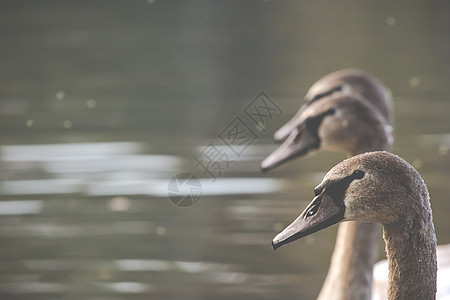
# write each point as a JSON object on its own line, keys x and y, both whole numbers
{"x": 344, "y": 120}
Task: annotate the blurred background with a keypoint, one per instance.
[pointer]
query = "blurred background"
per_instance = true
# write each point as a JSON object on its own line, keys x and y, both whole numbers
{"x": 103, "y": 102}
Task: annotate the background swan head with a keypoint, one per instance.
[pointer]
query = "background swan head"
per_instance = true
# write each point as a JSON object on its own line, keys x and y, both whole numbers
{"x": 342, "y": 123}
{"x": 344, "y": 82}
{"x": 372, "y": 187}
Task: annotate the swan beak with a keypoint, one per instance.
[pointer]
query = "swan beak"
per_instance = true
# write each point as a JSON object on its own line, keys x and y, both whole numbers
{"x": 282, "y": 133}
{"x": 299, "y": 143}
{"x": 321, "y": 213}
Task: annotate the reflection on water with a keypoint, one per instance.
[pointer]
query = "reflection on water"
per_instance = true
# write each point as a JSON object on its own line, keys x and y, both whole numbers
{"x": 103, "y": 103}
{"x": 87, "y": 170}
{"x": 21, "y": 207}
{"x": 222, "y": 274}
{"x": 105, "y": 169}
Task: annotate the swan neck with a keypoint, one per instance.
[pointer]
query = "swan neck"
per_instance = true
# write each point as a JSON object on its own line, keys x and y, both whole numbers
{"x": 411, "y": 253}
{"x": 355, "y": 253}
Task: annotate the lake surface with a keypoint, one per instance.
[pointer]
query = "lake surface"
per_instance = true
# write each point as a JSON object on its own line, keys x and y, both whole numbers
{"x": 102, "y": 103}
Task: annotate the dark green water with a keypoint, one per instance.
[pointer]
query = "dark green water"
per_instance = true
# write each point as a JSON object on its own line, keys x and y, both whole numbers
{"x": 102, "y": 102}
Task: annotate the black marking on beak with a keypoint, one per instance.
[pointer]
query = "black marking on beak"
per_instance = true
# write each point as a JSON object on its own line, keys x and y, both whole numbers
{"x": 326, "y": 209}
{"x": 302, "y": 139}
{"x": 283, "y": 133}
{"x": 322, "y": 212}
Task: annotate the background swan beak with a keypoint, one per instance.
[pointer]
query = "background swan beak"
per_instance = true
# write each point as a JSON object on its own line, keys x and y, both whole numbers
{"x": 321, "y": 213}
{"x": 299, "y": 143}
{"x": 282, "y": 133}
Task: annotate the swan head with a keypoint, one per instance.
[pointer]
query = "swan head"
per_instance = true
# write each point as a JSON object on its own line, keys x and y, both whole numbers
{"x": 370, "y": 187}
{"x": 344, "y": 82}
{"x": 341, "y": 123}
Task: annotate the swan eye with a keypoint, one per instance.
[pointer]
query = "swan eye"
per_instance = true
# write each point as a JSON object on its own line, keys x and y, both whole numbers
{"x": 358, "y": 174}
{"x": 312, "y": 210}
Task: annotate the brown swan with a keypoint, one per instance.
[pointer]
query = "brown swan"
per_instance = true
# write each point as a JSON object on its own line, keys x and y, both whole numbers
{"x": 379, "y": 187}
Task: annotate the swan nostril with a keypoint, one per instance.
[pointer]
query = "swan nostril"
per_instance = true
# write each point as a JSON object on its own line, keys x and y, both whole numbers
{"x": 312, "y": 211}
